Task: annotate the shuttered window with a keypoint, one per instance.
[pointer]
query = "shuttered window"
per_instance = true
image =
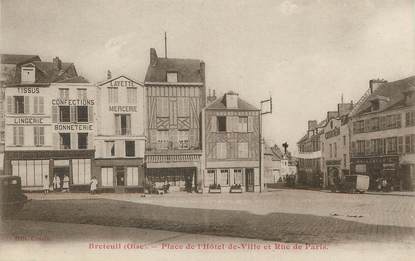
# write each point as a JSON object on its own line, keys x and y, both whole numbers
{"x": 18, "y": 136}
{"x": 39, "y": 136}
{"x": 221, "y": 150}
{"x": 131, "y": 95}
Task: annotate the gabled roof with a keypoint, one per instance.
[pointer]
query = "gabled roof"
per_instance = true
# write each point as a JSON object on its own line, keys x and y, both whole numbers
{"x": 220, "y": 104}
{"x": 18, "y": 58}
{"x": 116, "y": 78}
{"x": 394, "y": 91}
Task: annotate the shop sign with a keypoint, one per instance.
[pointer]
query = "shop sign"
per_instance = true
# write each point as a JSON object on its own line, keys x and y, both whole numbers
{"x": 378, "y": 160}
{"x": 123, "y": 108}
{"x": 72, "y": 102}
{"x": 28, "y": 121}
{"x": 28, "y": 90}
{"x": 123, "y": 83}
{"x": 73, "y": 127}
{"x": 333, "y": 162}
{"x": 390, "y": 166}
{"x": 332, "y": 133}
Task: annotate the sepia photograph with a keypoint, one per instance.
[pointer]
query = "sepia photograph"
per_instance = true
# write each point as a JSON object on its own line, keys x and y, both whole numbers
{"x": 207, "y": 129}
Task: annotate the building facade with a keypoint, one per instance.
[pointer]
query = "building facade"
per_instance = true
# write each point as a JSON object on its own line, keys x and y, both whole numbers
{"x": 175, "y": 94}
{"x": 383, "y": 135}
{"x": 231, "y": 142}
{"x": 120, "y": 139}
{"x": 49, "y": 125}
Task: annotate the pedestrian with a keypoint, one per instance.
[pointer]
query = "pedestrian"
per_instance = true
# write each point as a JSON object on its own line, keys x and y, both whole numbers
{"x": 46, "y": 184}
{"x": 65, "y": 186}
{"x": 56, "y": 183}
{"x": 94, "y": 183}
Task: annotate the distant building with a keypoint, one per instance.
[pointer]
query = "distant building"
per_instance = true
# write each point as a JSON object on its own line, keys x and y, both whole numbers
{"x": 273, "y": 173}
{"x": 175, "y": 94}
{"x": 120, "y": 139}
{"x": 383, "y": 134}
{"x": 49, "y": 124}
{"x": 231, "y": 144}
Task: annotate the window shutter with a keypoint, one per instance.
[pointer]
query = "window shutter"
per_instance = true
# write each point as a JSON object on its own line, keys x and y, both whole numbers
{"x": 90, "y": 142}
{"x": 228, "y": 124}
{"x": 41, "y": 104}
{"x": 21, "y": 135}
{"x": 90, "y": 113}
{"x": 9, "y": 104}
{"x": 54, "y": 114}
{"x": 56, "y": 141}
{"x": 26, "y": 104}
{"x": 117, "y": 124}
{"x": 250, "y": 124}
{"x": 74, "y": 141}
{"x": 72, "y": 113}
{"x": 15, "y": 135}
{"x": 128, "y": 124}
{"x": 213, "y": 127}
{"x": 35, "y": 105}
{"x": 36, "y": 137}
{"x": 42, "y": 135}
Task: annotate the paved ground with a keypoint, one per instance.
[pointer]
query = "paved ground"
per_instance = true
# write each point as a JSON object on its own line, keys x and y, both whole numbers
{"x": 298, "y": 216}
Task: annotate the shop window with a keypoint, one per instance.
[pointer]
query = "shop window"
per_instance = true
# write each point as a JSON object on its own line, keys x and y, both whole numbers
{"x": 223, "y": 178}
{"x": 31, "y": 172}
{"x": 64, "y": 93}
{"x": 243, "y": 150}
{"x": 81, "y": 171}
{"x": 64, "y": 114}
{"x": 210, "y": 177}
{"x": 221, "y": 123}
{"x": 65, "y": 141}
{"x": 110, "y": 148}
{"x": 18, "y": 136}
{"x": 131, "y": 95}
{"x": 129, "y": 148}
{"x": 107, "y": 175}
{"x": 123, "y": 124}
{"x": 183, "y": 139}
{"x": 132, "y": 176}
{"x": 82, "y": 141}
{"x": 112, "y": 95}
{"x": 82, "y": 113}
{"x": 238, "y": 179}
{"x": 39, "y": 136}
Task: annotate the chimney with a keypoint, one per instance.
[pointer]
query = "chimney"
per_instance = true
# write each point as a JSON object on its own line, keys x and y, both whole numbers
{"x": 375, "y": 83}
{"x": 109, "y": 75}
{"x": 57, "y": 63}
{"x": 211, "y": 97}
{"x": 312, "y": 125}
{"x": 202, "y": 71}
{"x": 153, "y": 57}
{"x": 231, "y": 100}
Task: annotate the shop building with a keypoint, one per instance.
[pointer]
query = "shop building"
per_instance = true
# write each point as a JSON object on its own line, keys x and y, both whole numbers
{"x": 175, "y": 94}
{"x": 49, "y": 125}
{"x": 120, "y": 139}
{"x": 335, "y": 145}
{"x": 272, "y": 165}
{"x": 231, "y": 142}
{"x": 383, "y": 135}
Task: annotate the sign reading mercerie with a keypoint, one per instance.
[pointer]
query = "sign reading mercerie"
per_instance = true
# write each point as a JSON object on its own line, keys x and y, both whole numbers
{"x": 115, "y": 108}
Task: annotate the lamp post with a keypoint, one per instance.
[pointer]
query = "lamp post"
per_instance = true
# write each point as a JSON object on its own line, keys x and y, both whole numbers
{"x": 261, "y": 165}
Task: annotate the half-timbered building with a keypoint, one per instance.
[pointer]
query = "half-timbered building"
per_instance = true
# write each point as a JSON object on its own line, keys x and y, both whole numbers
{"x": 231, "y": 142}
{"x": 175, "y": 94}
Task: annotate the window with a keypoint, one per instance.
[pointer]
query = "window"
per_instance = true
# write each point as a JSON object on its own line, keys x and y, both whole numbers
{"x": 18, "y": 136}
{"x": 172, "y": 77}
{"x": 65, "y": 140}
{"x": 81, "y": 171}
{"x": 82, "y": 94}
{"x": 221, "y": 150}
{"x": 344, "y": 141}
{"x": 223, "y": 178}
{"x": 221, "y": 123}
{"x": 331, "y": 150}
{"x": 39, "y": 135}
{"x": 210, "y": 177}
{"x": 112, "y": 95}
{"x": 163, "y": 139}
{"x": 400, "y": 145}
{"x": 132, "y": 176}
{"x": 410, "y": 143}
{"x": 358, "y": 127}
{"x": 64, "y": 114}
{"x": 129, "y": 148}
{"x": 183, "y": 139}
{"x": 391, "y": 145}
{"x": 243, "y": 150}
{"x": 107, "y": 175}
{"x": 131, "y": 95}
{"x": 237, "y": 174}
{"x": 64, "y": 94}
{"x": 360, "y": 147}
{"x": 410, "y": 118}
{"x": 183, "y": 107}
{"x": 335, "y": 150}
{"x": 19, "y": 104}
{"x": 38, "y": 105}
{"x": 82, "y": 113}
{"x": 110, "y": 148}
{"x": 28, "y": 75}
{"x": 344, "y": 160}
{"x": 243, "y": 124}
{"x": 82, "y": 141}
{"x": 123, "y": 124}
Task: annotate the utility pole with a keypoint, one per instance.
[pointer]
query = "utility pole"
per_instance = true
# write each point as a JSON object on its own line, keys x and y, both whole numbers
{"x": 165, "y": 44}
{"x": 261, "y": 164}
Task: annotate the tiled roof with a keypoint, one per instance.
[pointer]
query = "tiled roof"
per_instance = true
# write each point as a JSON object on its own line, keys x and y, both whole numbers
{"x": 188, "y": 70}
{"x": 18, "y": 58}
{"x": 76, "y": 79}
{"x": 220, "y": 104}
{"x": 391, "y": 90}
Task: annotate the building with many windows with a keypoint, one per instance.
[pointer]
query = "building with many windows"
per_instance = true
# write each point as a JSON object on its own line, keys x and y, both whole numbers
{"x": 231, "y": 142}
{"x": 383, "y": 135}
{"x": 175, "y": 94}
{"x": 49, "y": 125}
{"x": 120, "y": 139}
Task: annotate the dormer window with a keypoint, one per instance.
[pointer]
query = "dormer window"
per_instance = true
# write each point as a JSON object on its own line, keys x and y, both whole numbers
{"x": 172, "y": 77}
{"x": 375, "y": 105}
{"x": 28, "y": 74}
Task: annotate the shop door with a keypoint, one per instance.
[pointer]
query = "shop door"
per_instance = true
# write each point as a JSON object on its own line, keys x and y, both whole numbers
{"x": 249, "y": 174}
{"x": 120, "y": 176}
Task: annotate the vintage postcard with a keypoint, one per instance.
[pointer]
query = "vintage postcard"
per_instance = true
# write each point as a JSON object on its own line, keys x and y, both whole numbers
{"x": 207, "y": 129}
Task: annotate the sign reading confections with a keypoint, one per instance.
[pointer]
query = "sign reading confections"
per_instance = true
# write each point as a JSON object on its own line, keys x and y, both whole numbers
{"x": 72, "y": 102}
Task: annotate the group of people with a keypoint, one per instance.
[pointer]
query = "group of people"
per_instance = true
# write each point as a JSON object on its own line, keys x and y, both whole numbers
{"x": 63, "y": 185}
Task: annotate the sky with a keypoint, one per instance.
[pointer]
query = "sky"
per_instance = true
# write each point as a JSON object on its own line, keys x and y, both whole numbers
{"x": 303, "y": 53}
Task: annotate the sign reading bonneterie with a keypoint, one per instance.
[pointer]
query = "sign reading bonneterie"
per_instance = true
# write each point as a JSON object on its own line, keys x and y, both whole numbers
{"x": 72, "y": 102}
{"x": 73, "y": 127}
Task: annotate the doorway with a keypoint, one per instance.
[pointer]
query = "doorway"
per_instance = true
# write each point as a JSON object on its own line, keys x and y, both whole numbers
{"x": 249, "y": 175}
{"x": 120, "y": 176}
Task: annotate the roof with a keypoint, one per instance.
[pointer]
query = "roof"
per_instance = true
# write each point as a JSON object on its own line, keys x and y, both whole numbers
{"x": 76, "y": 79}
{"x": 188, "y": 70}
{"x": 220, "y": 104}
{"x": 18, "y": 58}
{"x": 116, "y": 78}
{"x": 394, "y": 91}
